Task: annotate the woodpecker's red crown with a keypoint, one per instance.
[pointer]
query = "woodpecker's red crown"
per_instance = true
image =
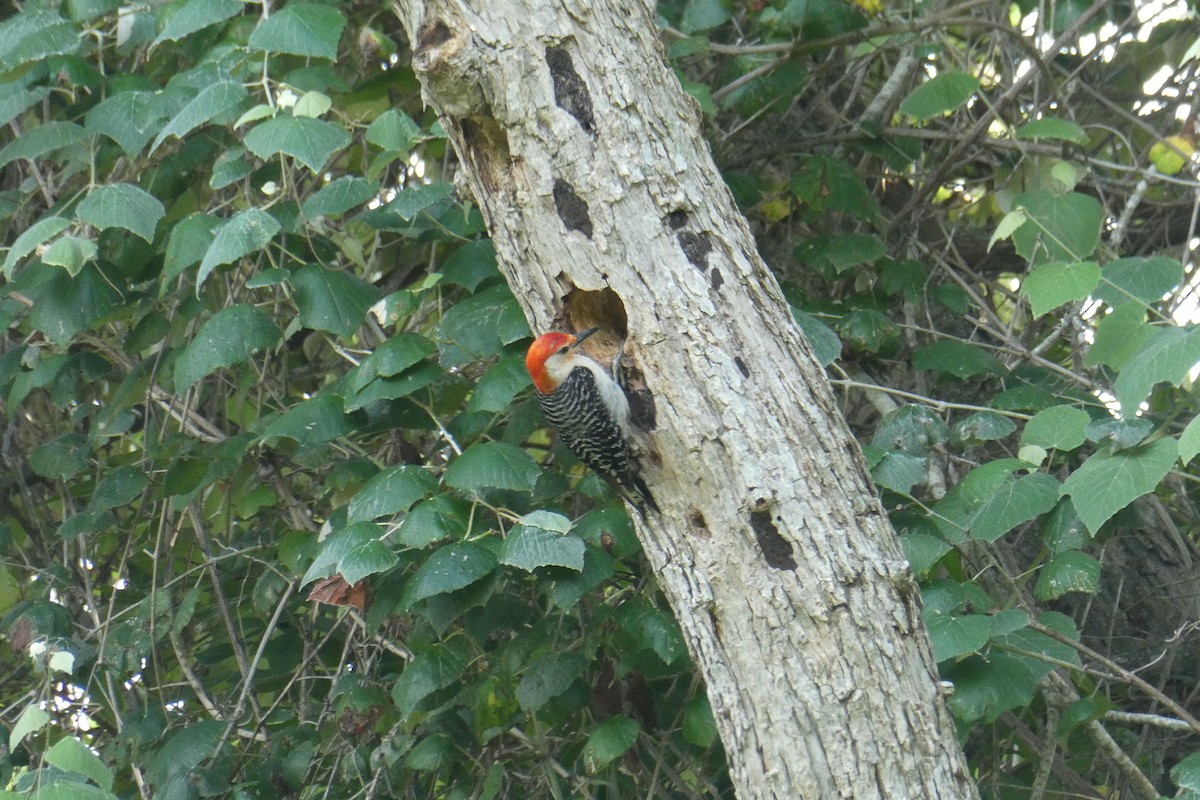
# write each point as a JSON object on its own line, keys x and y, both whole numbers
{"x": 543, "y": 347}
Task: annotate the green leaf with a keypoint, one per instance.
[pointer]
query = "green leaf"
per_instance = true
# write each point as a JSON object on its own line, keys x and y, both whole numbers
{"x": 1167, "y": 356}
{"x": 403, "y": 385}
{"x": 231, "y": 166}
{"x": 1008, "y": 224}
{"x": 394, "y": 130}
{"x": 122, "y": 205}
{"x": 196, "y": 15}
{"x": 184, "y": 475}
{"x": 318, "y": 419}
{"x": 390, "y": 492}
{"x": 1059, "y": 427}
{"x": 31, "y": 238}
{"x": 32, "y": 720}
{"x": 185, "y": 748}
{"x": 493, "y": 465}
{"x": 337, "y": 545}
{"x": 85, "y": 523}
{"x": 449, "y": 569}
{"x": 547, "y": 520}
{"x": 703, "y": 15}
{"x": 611, "y": 739}
{"x": 210, "y": 103}
{"x": 312, "y": 104}
{"x": 339, "y": 196}
{"x": 547, "y": 678}
{"x": 1052, "y": 285}
{"x": 119, "y": 487}
{"x": 435, "y": 668}
{"x": 984, "y": 688}
{"x": 1013, "y": 504}
{"x": 939, "y": 95}
{"x": 825, "y": 185}
{"x": 230, "y": 337}
{"x": 698, "y": 726}
{"x": 127, "y": 118}
{"x": 1052, "y": 128}
{"x": 70, "y": 253}
{"x": 912, "y": 428}
{"x": 959, "y": 359}
{"x": 1069, "y": 571}
{"x": 983, "y": 426}
{"x": 412, "y": 200}
{"x": 433, "y": 753}
{"x": 1120, "y": 433}
{"x": 393, "y": 357}
{"x": 826, "y": 345}
{"x": 37, "y": 142}
{"x": 1119, "y": 335}
{"x": 953, "y": 635}
{"x": 70, "y": 754}
{"x": 1189, "y": 441}
{"x": 652, "y": 628}
{"x": 1142, "y": 280}
{"x": 1061, "y": 227}
{"x": 366, "y": 559}
{"x": 484, "y": 323}
{"x": 923, "y": 550}
{"x": 67, "y": 304}
{"x": 189, "y": 240}
{"x": 15, "y": 99}
{"x": 33, "y": 36}
{"x": 309, "y": 141}
{"x": 900, "y": 471}
{"x": 1186, "y": 773}
{"x": 499, "y": 385}
{"x": 331, "y": 300}
{"x": 302, "y": 29}
{"x": 62, "y": 458}
{"x": 471, "y": 264}
{"x": 527, "y": 547}
{"x": 437, "y": 519}
{"x": 868, "y": 329}
{"x": 1063, "y": 530}
{"x": 1106, "y": 483}
{"x": 244, "y": 233}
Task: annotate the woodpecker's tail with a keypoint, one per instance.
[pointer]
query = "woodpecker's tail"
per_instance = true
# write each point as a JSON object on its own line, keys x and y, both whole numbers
{"x": 639, "y": 495}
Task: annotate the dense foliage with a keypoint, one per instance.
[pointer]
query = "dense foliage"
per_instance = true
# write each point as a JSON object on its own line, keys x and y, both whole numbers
{"x": 280, "y": 518}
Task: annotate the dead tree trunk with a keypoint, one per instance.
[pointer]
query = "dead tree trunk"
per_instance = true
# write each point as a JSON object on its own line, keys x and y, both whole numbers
{"x": 586, "y": 159}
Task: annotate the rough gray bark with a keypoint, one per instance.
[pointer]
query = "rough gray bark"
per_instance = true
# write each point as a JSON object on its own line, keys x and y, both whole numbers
{"x": 586, "y": 159}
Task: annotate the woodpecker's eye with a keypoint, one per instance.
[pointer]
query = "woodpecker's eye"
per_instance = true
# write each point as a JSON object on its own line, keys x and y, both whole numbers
{"x": 563, "y": 350}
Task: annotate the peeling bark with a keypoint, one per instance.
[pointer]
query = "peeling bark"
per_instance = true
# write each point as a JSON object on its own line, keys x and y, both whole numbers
{"x": 586, "y": 159}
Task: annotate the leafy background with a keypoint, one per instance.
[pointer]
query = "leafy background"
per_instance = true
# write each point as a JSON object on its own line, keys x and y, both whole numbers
{"x": 280, "y": 518}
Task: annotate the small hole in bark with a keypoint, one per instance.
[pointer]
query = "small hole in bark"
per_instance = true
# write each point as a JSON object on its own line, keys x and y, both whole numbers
{"x": 432, "y": 34}
{"x": 775, "y": 549}
{"x": 696, "y": 246}
{"x": 677, "y": 219}
{"x": 741, "y": 365}
{"x": 572, "y": 209}
{"x": 697, "y": 525}
{"x": 570, "y": 92}
{"x": 715, "y": 279}
{"x": 486, "y": 146}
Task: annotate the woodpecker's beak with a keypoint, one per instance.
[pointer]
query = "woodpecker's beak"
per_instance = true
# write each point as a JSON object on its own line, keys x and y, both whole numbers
{"x": 579, "y": 337}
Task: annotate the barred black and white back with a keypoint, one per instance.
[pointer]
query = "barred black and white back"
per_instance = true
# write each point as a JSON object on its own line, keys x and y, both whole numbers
{"x": 590, "y": 431}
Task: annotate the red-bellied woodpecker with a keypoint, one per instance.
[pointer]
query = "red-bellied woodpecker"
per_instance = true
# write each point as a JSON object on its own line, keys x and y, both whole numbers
{"x": 589, "y": 410}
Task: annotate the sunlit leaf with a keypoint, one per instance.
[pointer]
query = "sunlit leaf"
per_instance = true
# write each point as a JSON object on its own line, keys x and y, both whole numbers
{"x": 122, "y": 205}
{"x": 230, "y": 337}
{"x": 1107, "y": 482}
